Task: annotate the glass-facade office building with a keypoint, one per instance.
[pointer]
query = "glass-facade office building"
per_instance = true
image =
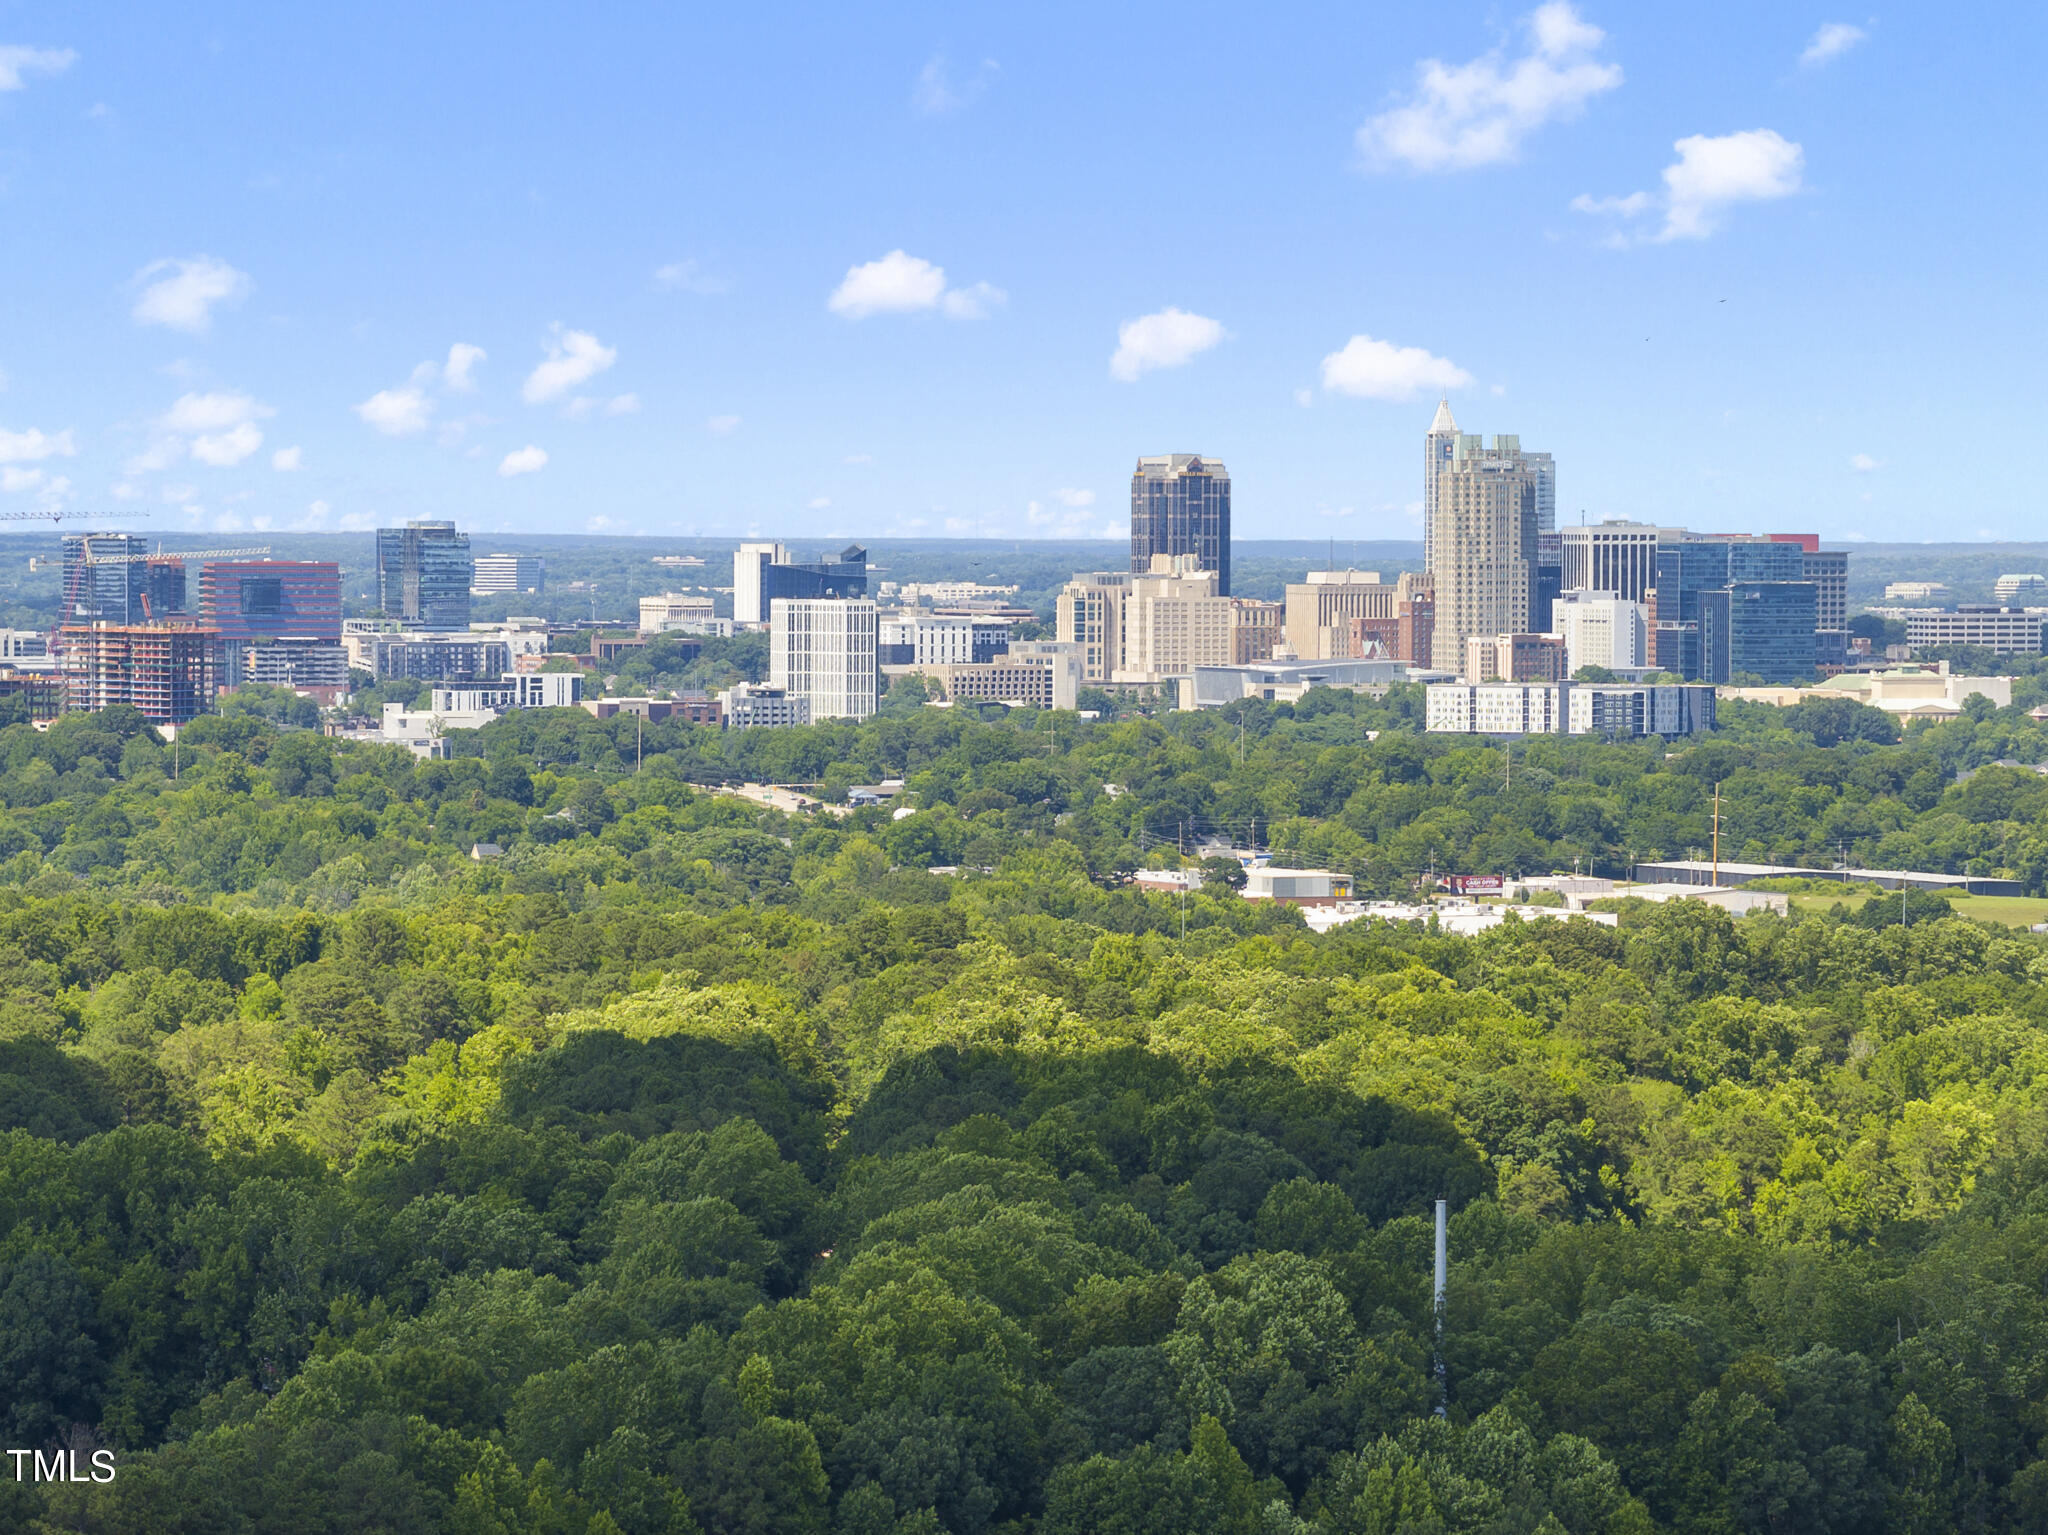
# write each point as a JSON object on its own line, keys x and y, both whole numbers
{"x": 1771, "y": 629}
{"x": 844, "y": 579}
{"x": 1180, "y": 504}
{"x": 424, "y": 572}
{"x": 104, "y": 593}
{"x": 1735, "y": 605}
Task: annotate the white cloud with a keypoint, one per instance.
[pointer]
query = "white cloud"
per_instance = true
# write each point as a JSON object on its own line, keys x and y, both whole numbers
{"x": 689, "y": 277}
{"x": 1465, "y": 115}
{"x": 973, "y": 303}
{"x": 397, "y": 412}
{"x": 1631, "y": 206}
{"x": 1863, "y": 463}
{"x": 184, "y": 298}
{"x": 818, "y": 503}
{"x": 937, "y": 92}
{"x": 895, "y": 284}
{"x": 225, "y": 449}
{"x": 216, "y": 428}
{"x": 1710, "y": 175}
{"x": 1831, "y": 41}
{"x": 1075, "y": 497}
{"x": 524, "y": 460}
{"x": 1752, "y": 166}
{"x": 285, "y": 459}
{"x": 722, "y": 426}
{"x": 212, "y": 412}
{"x": 52, "y": 491}
{"x": 858, "y": 458}
{"x": 34, "y": 445}
{"x": 574, "y": 357}
{"x": 1304, "y": 398}
{"x": 17, "y": 63}
{"x": 1163, "y": 340}
{"x": 316, "y": 514}
{"x": 618, "y": 405}
{"x": 1380, "y": 370}
{"x": 458, "y": 372}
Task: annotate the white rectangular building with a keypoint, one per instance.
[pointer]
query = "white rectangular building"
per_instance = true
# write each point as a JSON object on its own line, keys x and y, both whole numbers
{"x": 749, "y": 566}
{"x": 2003, "y": 631}
{"x": 508, "y": 573}
{"x": 22, "y": 644}
{"x": 1601, "y": 629}
{"x": 514, "y": 690}
{"x": 1573, "y": 708}
{"x": 822, "y": 649}
{"x": 674, "y": 610}
{"x": 947, "y": 641}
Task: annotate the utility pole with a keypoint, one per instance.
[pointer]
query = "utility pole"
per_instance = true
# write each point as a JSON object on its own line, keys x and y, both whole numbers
{"x": 639, "y": 734}
{"x": 1717, "y": 834}
{"x": 1443, "y": 1267}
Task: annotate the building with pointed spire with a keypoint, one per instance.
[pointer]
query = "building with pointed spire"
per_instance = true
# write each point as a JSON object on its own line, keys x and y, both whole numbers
{"x": 1437, "y": 446}
{"x": 1486, "y": 508}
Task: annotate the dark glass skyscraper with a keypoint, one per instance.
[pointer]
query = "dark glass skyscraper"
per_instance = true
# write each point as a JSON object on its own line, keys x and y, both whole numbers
{"x": 1770, "y": 629}
{"x": 103, "y": 593}
{"x": 1180, "y": 504}
{"x": 424, "y": 572}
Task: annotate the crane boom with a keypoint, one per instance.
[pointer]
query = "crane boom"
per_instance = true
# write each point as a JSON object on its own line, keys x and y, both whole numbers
{"x": 64, "y": 516}
{"x": 175, "y": 554}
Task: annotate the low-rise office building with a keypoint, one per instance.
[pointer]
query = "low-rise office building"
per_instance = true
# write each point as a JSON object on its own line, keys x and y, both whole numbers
{"x": 1296, "y": 887}
{"x": 514, "y": 690}
{"x": 675, "y": 610}
{"x": 2003, "y": 631}
{"x": 694, "y": 708}
{"x": 1212, "y": 687}
{"x": 750, "y": 706}
{"x": 1041, "y": 674}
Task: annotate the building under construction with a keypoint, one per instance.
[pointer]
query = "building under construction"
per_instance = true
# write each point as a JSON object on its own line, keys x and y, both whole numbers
{"x": 171, "y": 672}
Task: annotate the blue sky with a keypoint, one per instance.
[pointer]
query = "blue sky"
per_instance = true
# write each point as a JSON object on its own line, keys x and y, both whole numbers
{"x": 872, "y": 271}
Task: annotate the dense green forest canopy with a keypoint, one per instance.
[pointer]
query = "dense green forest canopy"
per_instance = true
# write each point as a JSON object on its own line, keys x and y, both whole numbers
{"x": 692, "y": 1167}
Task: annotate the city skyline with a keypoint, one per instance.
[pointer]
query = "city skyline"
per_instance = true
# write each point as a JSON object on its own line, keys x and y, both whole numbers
{"x": 244, "y": 310}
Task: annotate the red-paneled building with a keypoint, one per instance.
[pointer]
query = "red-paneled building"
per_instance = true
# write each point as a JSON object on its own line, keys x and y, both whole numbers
{"x": 271, "y": 599}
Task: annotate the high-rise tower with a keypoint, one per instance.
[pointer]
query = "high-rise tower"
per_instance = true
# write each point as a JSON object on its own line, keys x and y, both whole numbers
{"x": 1483, "y": 533}
{"x": 1437, "y": 446}
{"x": 1443, "y": 440}
{"x": 1180, "y": 504}
{"x": 424, "y": 571}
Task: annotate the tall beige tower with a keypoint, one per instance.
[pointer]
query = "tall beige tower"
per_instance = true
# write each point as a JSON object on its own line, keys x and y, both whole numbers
{"x": 1483, "y": 546}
